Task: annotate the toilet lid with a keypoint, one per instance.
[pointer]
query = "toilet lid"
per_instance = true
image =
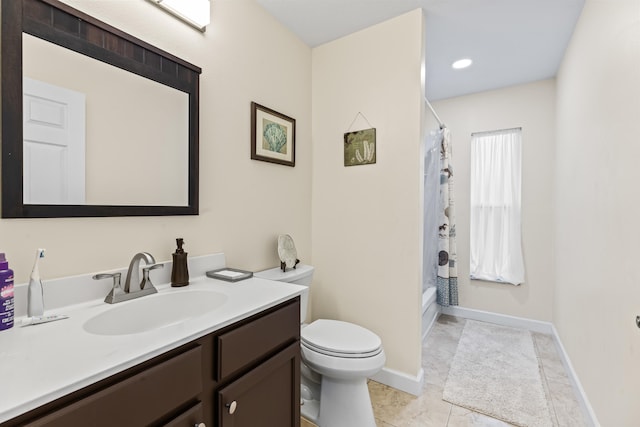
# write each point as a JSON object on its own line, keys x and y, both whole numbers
{"x": 342, "y": 339}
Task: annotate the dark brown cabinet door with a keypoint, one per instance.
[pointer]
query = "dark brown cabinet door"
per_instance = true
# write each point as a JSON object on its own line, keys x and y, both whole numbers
{"x": 266, "y": 396}
{"x": 137, "y": 401}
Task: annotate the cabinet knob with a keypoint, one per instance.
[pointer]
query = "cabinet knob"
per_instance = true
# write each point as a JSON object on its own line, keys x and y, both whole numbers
{"x": 200, "y": 425}
{"x": 232, "y": 407}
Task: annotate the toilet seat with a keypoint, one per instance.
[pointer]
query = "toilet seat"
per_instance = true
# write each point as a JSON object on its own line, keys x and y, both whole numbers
{"x": 340, "y": 339}
{"x": 345, "y": 368}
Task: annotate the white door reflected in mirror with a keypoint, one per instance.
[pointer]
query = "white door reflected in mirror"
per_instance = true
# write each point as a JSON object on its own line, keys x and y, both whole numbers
{"x": 53, "y": 145}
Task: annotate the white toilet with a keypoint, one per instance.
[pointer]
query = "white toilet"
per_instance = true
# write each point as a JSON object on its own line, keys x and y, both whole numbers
{"x": 337, "y": 357}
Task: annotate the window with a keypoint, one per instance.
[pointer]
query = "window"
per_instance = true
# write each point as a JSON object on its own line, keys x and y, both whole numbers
{"x": 496, "y": 242}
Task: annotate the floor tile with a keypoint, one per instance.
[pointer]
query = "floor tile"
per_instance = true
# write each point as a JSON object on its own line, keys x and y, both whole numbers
{"x": 390, "y": 405}
{"x": 393, "y": 408}
{"x": 462, "y": 417}
{"x": 449, "y": 326}
{"x": 545, "y": 345}
{"x": 562, "y": 401}
{"x": 438, "y": 349}
{"x": 436, "y": 371}
{"x": 429, "y": 410}
{"x": 305, "y": 423}
{"x": 549, "y": 358}
{"x": 564, "y": 405}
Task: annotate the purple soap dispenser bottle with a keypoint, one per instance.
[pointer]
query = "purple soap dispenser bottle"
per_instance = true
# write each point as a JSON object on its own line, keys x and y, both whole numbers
{"x": 6, "y": 294}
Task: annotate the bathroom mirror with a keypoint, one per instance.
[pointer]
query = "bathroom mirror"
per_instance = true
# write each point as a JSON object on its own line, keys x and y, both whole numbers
{"x": 132, "y": 107}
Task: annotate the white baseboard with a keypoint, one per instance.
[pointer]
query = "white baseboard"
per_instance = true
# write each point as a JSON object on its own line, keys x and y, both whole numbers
{"x": 587, "y": 409}
{"x": 499, "y": 319}
{"x": 401, "y": 381}
{"x": 533, "y": 326}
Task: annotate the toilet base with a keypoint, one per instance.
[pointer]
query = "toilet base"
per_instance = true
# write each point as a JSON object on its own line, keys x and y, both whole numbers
{"x": 309, "y": 393}
{"x": 345, "y": 403}
{"x": 310, "y": 410}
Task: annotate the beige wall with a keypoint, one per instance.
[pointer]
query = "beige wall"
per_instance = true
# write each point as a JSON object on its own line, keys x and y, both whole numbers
{"x": 598, "y": 208}
{"x": 532, "y": 107}
{"x": 245, "y": 56}
{"x": 367, "y": 219}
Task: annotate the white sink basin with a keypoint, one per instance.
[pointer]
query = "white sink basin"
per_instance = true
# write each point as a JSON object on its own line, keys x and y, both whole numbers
{"x": 154, "y": 311}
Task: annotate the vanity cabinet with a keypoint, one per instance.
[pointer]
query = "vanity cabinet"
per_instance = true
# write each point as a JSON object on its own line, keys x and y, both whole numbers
{"x": 267, "y": 396}
{"x": 246, "y": 374}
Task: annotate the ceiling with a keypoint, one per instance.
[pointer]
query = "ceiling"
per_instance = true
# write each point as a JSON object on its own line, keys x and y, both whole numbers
{"x": 510, "y": 41}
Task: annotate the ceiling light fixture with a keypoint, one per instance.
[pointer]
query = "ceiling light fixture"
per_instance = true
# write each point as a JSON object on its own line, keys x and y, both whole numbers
{"x": 461, "y": 63}
{"x": 196, "y": 13}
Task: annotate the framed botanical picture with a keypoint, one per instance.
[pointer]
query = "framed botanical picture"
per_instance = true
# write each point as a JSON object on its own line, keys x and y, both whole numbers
{"x": 273, "y": 136}
{"x": 360, "y": 147}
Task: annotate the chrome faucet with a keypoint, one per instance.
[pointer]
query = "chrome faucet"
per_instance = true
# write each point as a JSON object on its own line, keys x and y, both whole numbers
{"x": 133, "y": 286}
{"x": 132, "y": 283}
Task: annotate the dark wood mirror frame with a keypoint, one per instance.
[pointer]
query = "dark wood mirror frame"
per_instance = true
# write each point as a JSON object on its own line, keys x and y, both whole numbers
{"x": 63, "y": 25}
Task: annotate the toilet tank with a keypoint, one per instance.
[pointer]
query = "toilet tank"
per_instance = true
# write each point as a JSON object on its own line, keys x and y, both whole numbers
{"x": 301, "y": 275}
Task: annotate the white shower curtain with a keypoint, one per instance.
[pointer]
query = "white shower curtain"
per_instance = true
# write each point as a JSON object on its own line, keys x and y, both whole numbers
{"x": 496, "y": 249}
{"x": 431, "y": 209}
{"x": 447, "y": 255}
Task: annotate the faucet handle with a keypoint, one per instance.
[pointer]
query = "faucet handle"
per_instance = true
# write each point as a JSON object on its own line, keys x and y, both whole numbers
{"x": 116, "y": 278}
{"x": 151, "y": 267}
{"x": 146, "y": 281}
{"x": 116, "y": 290}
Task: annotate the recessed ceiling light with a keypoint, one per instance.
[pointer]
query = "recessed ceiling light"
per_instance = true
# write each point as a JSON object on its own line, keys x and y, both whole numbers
{"x": 461, "y": 63}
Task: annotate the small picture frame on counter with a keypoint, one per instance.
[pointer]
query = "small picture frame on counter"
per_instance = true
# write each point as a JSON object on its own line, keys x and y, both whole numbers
{"x": 229, "y": 274}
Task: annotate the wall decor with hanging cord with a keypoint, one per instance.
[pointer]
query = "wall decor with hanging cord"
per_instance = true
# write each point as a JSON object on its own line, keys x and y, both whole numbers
{"x": 360, "y": 145}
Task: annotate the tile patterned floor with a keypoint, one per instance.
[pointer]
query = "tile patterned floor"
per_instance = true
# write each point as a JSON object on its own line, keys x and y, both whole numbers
{"x": 393, "y": 408}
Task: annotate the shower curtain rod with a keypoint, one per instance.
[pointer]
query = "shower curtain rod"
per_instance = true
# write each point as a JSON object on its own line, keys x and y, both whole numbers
{"x": 440, "y": 122}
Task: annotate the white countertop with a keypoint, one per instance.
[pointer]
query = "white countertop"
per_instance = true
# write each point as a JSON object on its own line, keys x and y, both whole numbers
{"x": 41, "y": 363}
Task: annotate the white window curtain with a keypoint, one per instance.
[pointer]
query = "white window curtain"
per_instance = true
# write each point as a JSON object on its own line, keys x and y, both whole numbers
{"x": 496, "y": 242}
